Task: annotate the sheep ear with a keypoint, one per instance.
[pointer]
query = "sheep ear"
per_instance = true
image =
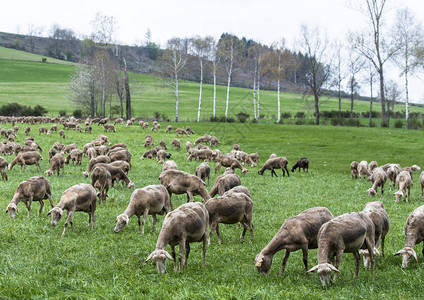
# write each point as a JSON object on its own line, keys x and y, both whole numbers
{"x": 150, "y": 256}
{"x": 168, "y": 255}
{"x": 398, "y": 253}
{"x": 414, "y": 254}
{"x": 333, "y": 268}
{"x": 313, "y": 269}
{"x": 376, "y": 251}
{"x": 49, "y": 213}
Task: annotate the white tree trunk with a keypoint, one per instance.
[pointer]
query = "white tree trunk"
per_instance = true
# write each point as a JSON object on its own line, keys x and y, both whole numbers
{"x": 228, "y": 95}
{"x": 214, "y": 93}
{"x": 177, "y": 99}
{"x": 258, "y": 102}
{"x": 200, "y": 95}
{"x": 278, "y": 102}
{"x": 254, "y": 91}
{"x": 406, "y": 101}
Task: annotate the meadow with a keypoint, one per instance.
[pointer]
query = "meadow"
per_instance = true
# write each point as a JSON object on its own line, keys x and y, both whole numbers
{"x": 37, "y": 263}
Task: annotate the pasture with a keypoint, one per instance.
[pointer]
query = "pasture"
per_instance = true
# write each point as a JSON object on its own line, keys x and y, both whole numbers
{"x": 37, "y": 263}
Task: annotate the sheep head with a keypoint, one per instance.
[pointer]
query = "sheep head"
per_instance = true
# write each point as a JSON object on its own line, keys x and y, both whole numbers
{"x": 407, "y": 254}
{"x": 371, "y": 192}
{"x": 399, "y": 195}
{"x": 121, "y": 221}
{"x": 324, "y": 272}
{"x": 56, "y": 214}
{"x": 11, "y": 209}
{"x": 263, "y": 264}
{"x": 159, "y": 256}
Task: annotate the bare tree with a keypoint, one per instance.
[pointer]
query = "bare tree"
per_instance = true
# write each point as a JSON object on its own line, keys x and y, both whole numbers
{"x": 372, "y": 44}
{"x": 393, "y": 93}
{"x": 355, "y": 65}
{"x": 371, "y": 75}
{"x": 84, "y": 88}
{"x": 172, "y": 62}
{"x": 315, "y": 47}
{"x": 406, "y": 33}
{"x": 201, "y": 48}
{"x": 32, "y": 34}
{"x": 214, "y": 58}
{"x": 340, "y": 74}
{"x": 104, "y": 29}
{"x": 229, "y": 51}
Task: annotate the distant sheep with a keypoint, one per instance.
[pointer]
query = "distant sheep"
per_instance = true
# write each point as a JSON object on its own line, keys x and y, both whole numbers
{"x": 301, "y": 163}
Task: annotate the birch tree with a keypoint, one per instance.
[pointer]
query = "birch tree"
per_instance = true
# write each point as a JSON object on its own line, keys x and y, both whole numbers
{"x": 407, "y": 33}
{"x": 315, "y": 48}
{"x": 172, "y": 62}
{"x": 370, "y": 78}
{"x": 372, "y": 42}
{"x": 229, "y": 51}
{"x": 214, "y": 58}
{"x": 355, "y": 65}
{"x": 201, "y": 48}
{"x": 84, "y": 88}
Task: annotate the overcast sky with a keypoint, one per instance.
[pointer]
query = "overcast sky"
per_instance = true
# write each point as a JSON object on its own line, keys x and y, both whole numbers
{"x": 265, "y": 21}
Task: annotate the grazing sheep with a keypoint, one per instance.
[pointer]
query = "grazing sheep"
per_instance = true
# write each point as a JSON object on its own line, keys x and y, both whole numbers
{"x": 343, "y": 234}
{"x": 27, "y": 130}
{"x": 239, "y": 189}
{"x": 94, "y": 161}
{"x": 411, "y": 169}
{"x": 188, "y": 129}
{"x": 299, "y": 232}
{"x": 275, "y": 163}
{"x": 69, "y": 148}
{"x": 203, "y": 139}
{"x": 354, "y": 169}
{"x": 203, "y": 171}
{"x": 156, "y": 127}
{"x": 56, "y": 164}
{"x": 152, "y": 200}
{"x": 230, "y": 208}
{"x": 80, "y": 197}
{"x": 404, "y": 184}
{"x": 301, "y": 163}
{"x": 163, "y": 145}
{"x": 42, "y": 130}
{"x": 151, "y": 154}
{"x": 162, "y": 155}
{"x": 33, "y": 189}
{"x": 52, "y": 152}
{"x": 378, "y": 215}
{"x": 117, "y": 172}
{"x": 229, "y": 161}
{"x": 27, "y": 158}
{"x": 414, "y": 234}
{"x": 363, "y": 169}
{"x": 169, "y": 165}
{"x": 224, "y": 183}
{"x": 148, "y": 141}
{"x": 62, "y": 134}
{"x": 101, "y": 179}
{"x": 214, "y": 141}
{"x": 75, "y": 155}
{"x": 124, "y": 155}
{"x": 236, "y": 147}
{"x": 109, "y": 128}
{"x": 119, "y": 121}
{"x": 176, "y": 144}
{"x": 244, "y": 158}
{"x": 372, "y": 165}
{"x": 378, "y": 178}
{"x": 186, "y": 224}
{"x": 58, "y": 145}
{"x": 254, "y": 157}
{"x": 202, "y": 154}
{"x": 3, "y": 166}
{"x": 104, "y": 138}
{"x": 91, "y": 153}
{"x": 179, "y": 182}
{"x": 422, "y": 184}
{"x": 181, "y": 131}
{"x": 392, "y": 172}
{"x": 168, "y": 129}
{"x": 188, "y": 146}
{"x": 123, "y": 165}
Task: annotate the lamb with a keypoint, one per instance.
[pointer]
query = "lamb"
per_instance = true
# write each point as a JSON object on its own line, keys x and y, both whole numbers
{"x": 203, "y": 171}
{"x": 33, "y": 189}
{"x": 186, "y": 224}
{"x": 168, "y": 128}
{"x": 176, "y": 144}
{"x": 181, "y": 131}
{"x": 214, "y": 141}
{"x": 301, "y": 163}
{"x": 169, "y": 165}
{"x": 378, "y": 215}
{"x": 119, "y": 121}
{"x": 363, "y": 169}
{"x": 244, "y": 158}
{"x": 56, "y": 164}
{"x": 343, "y": 234}
{"x": 188, "y": 129}
{"x": 275, "y": 163}
{"x": 75, "y": 155}
{"x": 162, "y": 155}
{"x": 88, "y": 129}
{"x": 104, "y": 138}
{"x": 414, "y": 234}
{"x": 421, "y": 183}
{"x": 101, "y": 179}
{"x": 163, "y": 145}
{"x": 230, "y": 208}
{"x": 129, "y": 123}
{"x": 179, "y": 182}
{"x": 404, "y": 184}
{"x": 156, "y": 127}
{"x": 109, "y": 127}
{"x": 224, "y": 183}
{"x": 27, "y": 158}
{"x": 42, "y": 130}
{"x": 80, "y": 197}
{"x": 229, "y": 162}
{"x": 299, "y": 232}
{"x": 148, "y": 141}
{"x": 3, "y": 166}
{"x": 94, "y": 161}
{"x": 354, "y": 169}
{"x": 152, "y": 200}
{"x": 378, "y": 178}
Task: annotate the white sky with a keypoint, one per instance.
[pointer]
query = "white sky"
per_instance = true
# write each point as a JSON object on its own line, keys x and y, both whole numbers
{"x": 265, "y": 21}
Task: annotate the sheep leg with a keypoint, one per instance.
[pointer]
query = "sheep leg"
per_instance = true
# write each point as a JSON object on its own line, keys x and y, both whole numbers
{"x": 422, "y": 191}
{"x": 243, "y": 233}
{"x": 337, "y": 261}
{"x": 146, "y": 211}
{"x": 38, "y": 165}
{"x": 41, "y": 207}
{"x": 190, "y": 196}
{"x": 214, "y": 226}
{"x": 174, "y": 257}
{"x": 357, "y": 261}
{"x": 180, "y": 253}
{"x": 283, "y": 265}
{"x": 154, "y": 222}
{"x": 204, "y": 238}
{"x": 273, "y": 173}
{"x": 68, "y": 220}
{"x": 28, "y": 205}
{"x": 187, "y": 252}
{"x": 305, "y": 256}
{"x": 288, "y": 174}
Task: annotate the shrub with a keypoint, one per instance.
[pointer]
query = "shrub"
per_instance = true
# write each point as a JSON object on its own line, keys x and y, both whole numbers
{"x": 352, "y": 122}
{"x": 286, "y": 115}
{"x": 384, "y": 123}
{"x": 77, "y": 113}
{"x": 299, "y": 122}
{"x": 242, "y": 117}
{"x": 300, "y": 115}
{"x": 15, "y": 109}
{"x": 62, "y": 113}
{"x": 398, "y": 124}
{"x": 414, "y": 124}
{"x": 156, "y": 115}
{"x": 44, "y": 60}
{"x": 337, "y": 121}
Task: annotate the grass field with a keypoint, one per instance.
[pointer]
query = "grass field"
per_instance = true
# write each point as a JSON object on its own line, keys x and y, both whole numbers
{"x": 24, "y": 79}
{"x": 37, "y": 263}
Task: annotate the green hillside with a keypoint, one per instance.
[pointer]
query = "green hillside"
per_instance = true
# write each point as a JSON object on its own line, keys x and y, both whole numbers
{"x": 28, "y": 81}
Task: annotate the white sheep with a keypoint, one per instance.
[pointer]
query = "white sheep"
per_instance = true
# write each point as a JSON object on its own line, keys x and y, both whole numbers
{"x": 404, "y": 184}
{"x": 378, "y": 179}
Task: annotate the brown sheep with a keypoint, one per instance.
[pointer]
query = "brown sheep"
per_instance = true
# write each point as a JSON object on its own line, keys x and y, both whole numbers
{"x": 27, "y": 158}
{"x": 27, "y": 130}
{"x": 163, "y": 145}
{"x": 176, "y": 144}
{"x": 203, "y": 171}
{"x": 181, "y": 131}
{"x": 275, "y": 163}
{"x": 3, "y": 166}
{"x": 229, "y": 161}
{"x": 224, "y": 183}
{"x": 80, "y": 197}
{"x": 75, "y": 155}
{"x": 378, "y": 178}
{"x": 117, "y": 171}
{"x": 56, "y": 163}
{"x": 301, "y": 163}
{"x": 94, "y": 161}
{"x": 169, "y": 165}
{"x": 69, "y": 148}
{"x": 124, "y": 155}
{"x": 162, "y": 155}
{"x": 101, "y": 179}
{"x": 151, "y": 154}
{"x": 168, "y": 129}
{"x": 354, "y": 169}
{"x": 33, "y": 189}
{"x": 188, "y": 129}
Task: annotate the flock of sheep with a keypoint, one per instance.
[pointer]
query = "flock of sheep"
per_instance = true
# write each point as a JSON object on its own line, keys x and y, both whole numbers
{"x": 109, "y": 165}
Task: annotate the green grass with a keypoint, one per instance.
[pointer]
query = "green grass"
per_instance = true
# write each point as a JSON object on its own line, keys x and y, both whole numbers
{"x": 12, "y": 54}
{"x": 32, "y": 82}
{"x": 37, "y": 263}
